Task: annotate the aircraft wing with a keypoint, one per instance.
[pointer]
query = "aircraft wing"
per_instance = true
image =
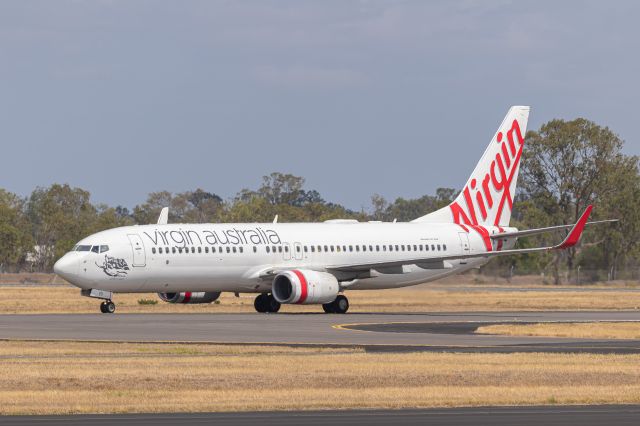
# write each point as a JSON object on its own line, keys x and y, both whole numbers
{"x": 434, "y": 262}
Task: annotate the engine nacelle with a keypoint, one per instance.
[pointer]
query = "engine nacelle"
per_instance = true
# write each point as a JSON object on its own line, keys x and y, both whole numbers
{"x": 304, "y": 287}
{"x": 190, "y": 297}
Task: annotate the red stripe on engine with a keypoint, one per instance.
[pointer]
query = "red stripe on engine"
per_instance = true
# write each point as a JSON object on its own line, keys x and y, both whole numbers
{"x": 304, "y": 287}
{"x": 187, "y": 297}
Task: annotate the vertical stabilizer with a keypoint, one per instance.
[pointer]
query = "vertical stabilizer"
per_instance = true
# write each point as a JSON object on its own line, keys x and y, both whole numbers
{"x": 487, "y": 197}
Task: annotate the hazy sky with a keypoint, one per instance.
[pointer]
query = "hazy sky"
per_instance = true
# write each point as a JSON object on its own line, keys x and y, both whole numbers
{"x": 393, "y": 97}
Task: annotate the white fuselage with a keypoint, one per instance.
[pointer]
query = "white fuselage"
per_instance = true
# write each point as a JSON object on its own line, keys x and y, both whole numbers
{"x": 234, "y": 257}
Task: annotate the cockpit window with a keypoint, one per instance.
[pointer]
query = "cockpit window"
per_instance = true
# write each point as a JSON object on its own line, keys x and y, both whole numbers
{"x": 104, "y": 248}
{"x": 95, "y": 249}
{"x": 83, "y": 248}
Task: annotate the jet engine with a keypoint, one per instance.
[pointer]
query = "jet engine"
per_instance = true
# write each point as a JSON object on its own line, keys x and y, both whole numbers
{"x": 304, "y": 287}
{"x": 190, "y": 297}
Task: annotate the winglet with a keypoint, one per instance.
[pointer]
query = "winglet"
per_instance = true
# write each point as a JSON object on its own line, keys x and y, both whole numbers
{"x": 163, "y": 219}
{"x": 576, "y": 232}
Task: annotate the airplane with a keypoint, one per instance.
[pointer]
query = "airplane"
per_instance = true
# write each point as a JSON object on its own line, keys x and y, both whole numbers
{"x": 315, "y": 263}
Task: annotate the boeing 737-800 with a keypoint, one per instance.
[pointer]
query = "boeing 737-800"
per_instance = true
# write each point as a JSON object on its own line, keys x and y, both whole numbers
{"x": 314, "y": 263}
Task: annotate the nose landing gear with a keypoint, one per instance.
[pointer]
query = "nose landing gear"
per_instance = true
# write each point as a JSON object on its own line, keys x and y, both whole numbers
{"x": 107, "y": 307}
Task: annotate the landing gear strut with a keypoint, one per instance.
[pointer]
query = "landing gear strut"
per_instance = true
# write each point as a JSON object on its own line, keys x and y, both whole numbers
{"x": 107, "y": 307}
{"x": 266, "y": 303}
{"x": 338, "y": 306}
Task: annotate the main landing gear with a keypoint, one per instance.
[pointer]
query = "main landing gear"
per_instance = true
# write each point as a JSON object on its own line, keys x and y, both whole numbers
{"x": 338, "y": 306}
{"x": 107, "y": 307}
{"x": 266, "y": 303}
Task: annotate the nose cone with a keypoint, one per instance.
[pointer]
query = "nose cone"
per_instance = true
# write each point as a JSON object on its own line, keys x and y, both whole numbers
{"x": 67, "y": 268}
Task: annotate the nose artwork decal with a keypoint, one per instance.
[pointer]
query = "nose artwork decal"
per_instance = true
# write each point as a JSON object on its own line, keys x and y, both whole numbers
{"x": 113, "y": 266}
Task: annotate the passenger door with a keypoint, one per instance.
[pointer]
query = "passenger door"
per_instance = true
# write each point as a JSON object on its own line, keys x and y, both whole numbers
{"x": 139, "y": 256}
{"x": 464, "y": 242}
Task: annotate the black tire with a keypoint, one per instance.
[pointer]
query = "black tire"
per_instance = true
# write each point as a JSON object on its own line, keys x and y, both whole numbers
{"x": 260, "y": 303}
{"x": 328, "y": 308}
{"x": 103, "y": 307}
{"x": 273, "y": 305}
{"x": 340, "y": 305}
{"x": 110, "y": 307}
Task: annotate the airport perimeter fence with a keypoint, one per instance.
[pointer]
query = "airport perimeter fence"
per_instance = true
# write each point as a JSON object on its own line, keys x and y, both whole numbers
{"x": 579, "y": 276}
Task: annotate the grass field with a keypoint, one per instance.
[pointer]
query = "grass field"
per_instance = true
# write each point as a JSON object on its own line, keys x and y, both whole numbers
{"x": 47, "y": 299}
{"x": 47, "y": 377}
{"x": 595, "y": 330}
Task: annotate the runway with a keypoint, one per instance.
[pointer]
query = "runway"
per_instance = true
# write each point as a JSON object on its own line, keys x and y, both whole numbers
{"x": 524, "y": 416}
{"x": 374, "y": 332}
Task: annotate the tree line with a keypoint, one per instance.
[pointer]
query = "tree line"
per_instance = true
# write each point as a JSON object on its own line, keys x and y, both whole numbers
{"x": 566, "y": 166}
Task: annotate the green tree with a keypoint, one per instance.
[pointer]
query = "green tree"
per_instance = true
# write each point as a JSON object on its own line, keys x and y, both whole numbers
{"x": 60, "y": 216}
{"x": 566, "y": 166}
{"x": 15, "y": 232}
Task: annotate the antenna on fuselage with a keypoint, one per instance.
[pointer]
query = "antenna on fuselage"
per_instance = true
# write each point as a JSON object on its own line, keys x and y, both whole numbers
{"x": 275, "y": 219}
{"x": 163, "y": 219}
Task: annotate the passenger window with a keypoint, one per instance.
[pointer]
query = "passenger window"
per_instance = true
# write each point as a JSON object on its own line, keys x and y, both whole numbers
{"x": 240, "y": 249}
{"x": 199, "y": 249}
{"x": 438, "y": 247}
{"x": 298, "y": 249}
{"x": 344, "y": 248}
{"x": 409, "y": 247}
{"x": 444, "y": 247}
{"x": 153, "y": 250}
{"x": 364, "y": 248}
{"x": 403, "y": 247}
{"x": 326, "y": 249}
{"x": 415, "y": 247}
{"x": 384, "y": 247}
{"x": 234, "y": 249}
{"x": 173, "y": 250}
{"x": 193, "y": 249}
{"x": 286, "y": 249}
{"x": 377, "y": 248}
{"x": 338, "y": 249}
{"x": 319, "y": 249}
{"x": 332, "y": 247}
{"x": 370, "y": 248}
{"x": 433, "y": 248}
{"x": 421, "y": 247}
{"x": 357, "y": 247}
{"x": 390, "y": 247}
{"x": 267, "y": 249}
{"x": 313, "y": 249}
{"x": 350, "y": 248}
{"x": 160, "y": 250}
{"x": 279, "y": 249}
{"x": 206, "y": 249}
{"x": 305, "y": 249}
{"x": 228, "y": 249}
{"x": 255, "y": 249}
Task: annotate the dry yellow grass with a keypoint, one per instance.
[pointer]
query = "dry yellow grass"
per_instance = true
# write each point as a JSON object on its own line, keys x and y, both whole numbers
{"x": 595, "y": 330}
{"x": 48, "y": 377}
{"x": 32, "y": 299}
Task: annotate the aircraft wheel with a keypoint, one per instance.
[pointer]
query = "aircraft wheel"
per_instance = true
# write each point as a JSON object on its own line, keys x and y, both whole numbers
{"x": 103, "y": 307}
{"x": 340, "y": 305}
{"x": 272, "y": 304}
{"x": 328, "y": 308}
{"x": 261, "y": 303}
{"x": 110, "y": 307}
